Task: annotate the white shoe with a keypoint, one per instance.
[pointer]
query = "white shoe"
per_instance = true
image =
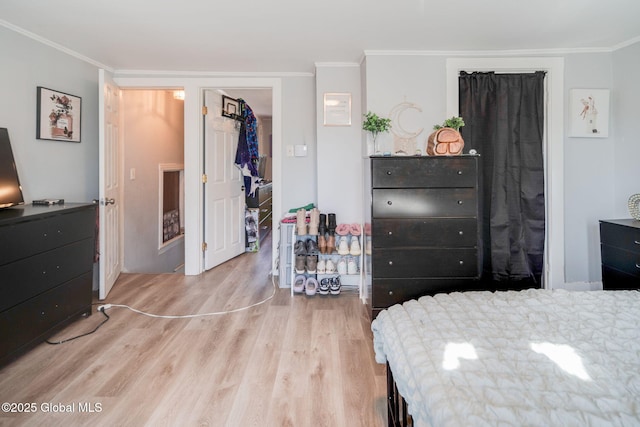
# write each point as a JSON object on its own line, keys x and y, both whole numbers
{"x": 321, "y": 267}
{"x": 355, "y": 246}
{"x": 330, "y": 267}
{"x": 311, "y": 286}
{"x": 352, "y": 267}
{"x": 343, "y": 247}
{"x": 342, "y": 266}
{"x": 298, "y": 284}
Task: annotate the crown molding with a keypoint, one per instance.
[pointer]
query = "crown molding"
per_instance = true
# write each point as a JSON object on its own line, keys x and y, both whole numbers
{"x": 336, "y": 64}
{"x": 626, "y": 44}
{"x": 54, "y": 45}
{"x": 178, "y": 73}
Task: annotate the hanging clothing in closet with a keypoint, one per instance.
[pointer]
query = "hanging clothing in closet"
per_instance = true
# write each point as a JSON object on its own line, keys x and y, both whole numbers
{"x": 247, "y": 152}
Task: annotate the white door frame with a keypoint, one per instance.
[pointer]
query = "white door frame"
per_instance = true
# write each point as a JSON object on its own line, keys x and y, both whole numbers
{"x": 554, "y": 259}
{"x": 193, "y": 148}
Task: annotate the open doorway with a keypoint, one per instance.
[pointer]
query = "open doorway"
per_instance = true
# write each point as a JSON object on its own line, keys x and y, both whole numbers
{"x": 227, "y": 206}
{"x": 153, "y": 181}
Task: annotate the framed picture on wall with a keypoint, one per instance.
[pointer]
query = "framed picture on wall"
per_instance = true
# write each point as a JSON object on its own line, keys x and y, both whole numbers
{"x": 59, "y": 115}
{"x": 589, "y": 113}
{"x": 337, "y": 109}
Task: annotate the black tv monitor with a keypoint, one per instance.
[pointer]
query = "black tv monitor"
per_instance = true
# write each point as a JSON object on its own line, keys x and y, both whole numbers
{"x": 10, "y": 189}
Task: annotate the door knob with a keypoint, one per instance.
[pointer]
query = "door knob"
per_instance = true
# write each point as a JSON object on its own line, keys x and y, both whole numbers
{"x": 108, "y": 201}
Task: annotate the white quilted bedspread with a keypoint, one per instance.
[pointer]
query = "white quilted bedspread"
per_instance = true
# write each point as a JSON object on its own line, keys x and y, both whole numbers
{"x": 528, "y": 358}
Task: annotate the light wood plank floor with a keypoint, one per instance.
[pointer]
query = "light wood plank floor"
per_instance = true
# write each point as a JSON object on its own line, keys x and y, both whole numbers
{"x": 292, "y": 361}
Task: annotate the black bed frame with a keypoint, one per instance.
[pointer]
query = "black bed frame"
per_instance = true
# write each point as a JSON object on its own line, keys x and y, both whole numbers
{"x": 397, "y": 415}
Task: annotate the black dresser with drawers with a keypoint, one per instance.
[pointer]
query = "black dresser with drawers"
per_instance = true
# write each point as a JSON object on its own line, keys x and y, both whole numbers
{"x": 46, "y": 272}
{"x": 620, "y": 251}
{"x": 424, "y": 227}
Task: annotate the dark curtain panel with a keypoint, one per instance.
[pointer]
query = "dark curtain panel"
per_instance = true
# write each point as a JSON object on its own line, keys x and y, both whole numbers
{"x": 504, "y": 116}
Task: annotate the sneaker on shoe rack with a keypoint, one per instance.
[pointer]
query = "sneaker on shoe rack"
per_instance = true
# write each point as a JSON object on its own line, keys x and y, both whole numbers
{"x": 330, "y": 267}
{"x": 334, "y": 286}
{"x": 311, "y": 246}
{"x": 301, "y": 261}
{"x": 352, "y": 267}
{"x": 311, "y": 286}
{"x": 324, "y": 286}
{"x": 321, "y": 268}
{"x": 298, "y": 284}
{"x": 343, "y": 246}
{"x": 342, "y": 266}
{"x": 312, "y": 263}
{"x": 300, "y": 248}
{"x": 355, "y": 246}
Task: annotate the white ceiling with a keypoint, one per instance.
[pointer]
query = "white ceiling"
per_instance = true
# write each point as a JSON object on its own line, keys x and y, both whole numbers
{"x": 289, "y": 36}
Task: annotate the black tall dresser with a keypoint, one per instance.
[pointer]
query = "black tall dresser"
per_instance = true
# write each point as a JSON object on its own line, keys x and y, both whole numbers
{"x": 424, "y": 227}
{"x": 46, "y": 271}
{"x": 620, "y": 250}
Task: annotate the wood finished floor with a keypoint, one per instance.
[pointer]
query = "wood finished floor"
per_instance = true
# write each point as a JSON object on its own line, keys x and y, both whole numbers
{"x": 292, "y": 361}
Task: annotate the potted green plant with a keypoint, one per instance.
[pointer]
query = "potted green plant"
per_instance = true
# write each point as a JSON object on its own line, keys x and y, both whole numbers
{"x": 375, "y": 125}
{"x": 454, "y": 123}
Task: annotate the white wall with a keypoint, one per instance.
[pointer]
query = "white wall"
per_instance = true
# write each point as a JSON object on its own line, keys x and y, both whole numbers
{"x": 626, "y": 125}
{"x": 153, "y": 129}
{"x": 298, "y": 127}
{"x": 48, "y": 169}
{"x": 588, "y": 173}
{"x": 339, "y": 148}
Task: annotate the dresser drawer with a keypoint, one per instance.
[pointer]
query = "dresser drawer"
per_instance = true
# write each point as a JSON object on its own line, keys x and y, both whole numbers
{"x": 33, "y": 237}
{"x": 441, "y": 232}
{"x": 424, "y": 202}
{"x": 386, "y": 292}
{"x": 620, "y": 259}
{"x": 425, "y": 262}
{"x": 33, "y": 320}
{"x": 620, "y": 236}
{"x": 415, "y": 172}
{"x": 28, "y": 277}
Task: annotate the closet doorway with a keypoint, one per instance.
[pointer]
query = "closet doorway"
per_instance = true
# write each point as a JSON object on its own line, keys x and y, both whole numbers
{"x": 554, "y": 257}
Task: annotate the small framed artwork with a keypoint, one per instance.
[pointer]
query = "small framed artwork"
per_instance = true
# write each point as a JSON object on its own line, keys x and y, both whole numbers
{"x": 337, "y": 109}
{"x": 589, "y": 113}
{"x": 59, "y": 115}
{"x": 231, "y": 108}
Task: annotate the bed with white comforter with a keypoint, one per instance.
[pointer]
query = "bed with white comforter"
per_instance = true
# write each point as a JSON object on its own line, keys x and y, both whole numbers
{"x": 527, "y": 358}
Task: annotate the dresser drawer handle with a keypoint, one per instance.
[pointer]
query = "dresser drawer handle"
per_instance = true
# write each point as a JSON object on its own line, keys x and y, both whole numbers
{"x": 460, "y": 232}
{"x": 460, "y": 202}
{"x": 637, "y": 265}
{"x": 390, "y": 292}
{"x": 390, "y": 233}
{"x": 461, "y": 262}
{"x": 388, "y": 172}
{"x": 459, "y": 172}
{"x": 636, "y": 242}
{"x": 389, "y": 202}
{"x": 390, "y": 262}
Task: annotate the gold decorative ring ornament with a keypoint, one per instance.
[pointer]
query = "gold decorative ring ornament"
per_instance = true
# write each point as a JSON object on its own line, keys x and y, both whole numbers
{"x": 634, "y": 210}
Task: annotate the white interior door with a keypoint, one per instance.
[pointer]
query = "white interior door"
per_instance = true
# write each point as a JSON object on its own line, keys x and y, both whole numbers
{"x": 224, "y": 199}
{"x": 109, "y": 182}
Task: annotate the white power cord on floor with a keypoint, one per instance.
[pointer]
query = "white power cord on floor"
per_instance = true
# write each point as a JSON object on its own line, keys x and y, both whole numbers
{"x": 188, "y": 316}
